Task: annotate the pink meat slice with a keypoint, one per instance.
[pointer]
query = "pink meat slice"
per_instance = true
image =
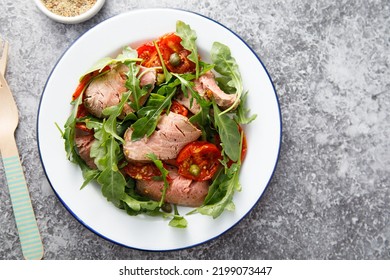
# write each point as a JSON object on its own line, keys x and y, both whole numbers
{"x": 181, "y": 191}
{"x": 222, "y": 99}
{"x": 173, "y": 132}
{"x": 107, "y": 90}
{"x": 188, "y": 102}
{"x": 147, "y": 76}
{"x": 206, "y": 86}
{"x": 83, "y": 145}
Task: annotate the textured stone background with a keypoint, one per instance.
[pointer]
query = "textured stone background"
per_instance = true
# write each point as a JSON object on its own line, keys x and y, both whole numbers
{"x": 329, "y": 197}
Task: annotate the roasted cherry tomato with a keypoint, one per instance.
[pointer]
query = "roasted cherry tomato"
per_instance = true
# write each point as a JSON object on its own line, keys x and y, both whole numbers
{"x": 172, "y": 52}
{"x": 82, "y": 112}
{"x": 174, "y": 55}
{"x": 178, "y": 108}
{"x": 142, "y": 171}
{"x": 199, "y": 160}
{"x": 149, "y": 55}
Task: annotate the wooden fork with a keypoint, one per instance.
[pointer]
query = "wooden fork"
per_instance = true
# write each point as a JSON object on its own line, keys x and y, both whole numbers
{"x": 29, "y": 236}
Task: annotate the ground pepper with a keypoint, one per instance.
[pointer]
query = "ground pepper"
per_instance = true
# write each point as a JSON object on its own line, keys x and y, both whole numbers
{"x": 69, "y": 8}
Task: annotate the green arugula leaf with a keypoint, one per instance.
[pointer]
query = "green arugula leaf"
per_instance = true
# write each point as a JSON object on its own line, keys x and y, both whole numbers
{"x": 229, "y": 133}
{"x": 111, "y": 179}
{"x": 167, "y": 74}
{"x": 227, "y": 66}
{"x": 223, "y": 83}
{"x": 188, "y": 41}
{"x": 69, "y": 129}
{"x": 178, "y": 221}
{"x": 242, "y": 112}
{"x": 98, "y": 148}
{"x": 127, "y": 55}
{"x": 140, "y": 205}
{"x": 110, "y": 125}
{"x": 216, "y": 193}
{"x": 106, "y": 153}
{"x": 164, "y": 174}
{"x": 150, "y": 114}
{"x": 133, "y": 84}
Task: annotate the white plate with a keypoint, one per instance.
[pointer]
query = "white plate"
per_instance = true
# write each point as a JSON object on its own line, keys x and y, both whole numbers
{"x": 88, "y": 206}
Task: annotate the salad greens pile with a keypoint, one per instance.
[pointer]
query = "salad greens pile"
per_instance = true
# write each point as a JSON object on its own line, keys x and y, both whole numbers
{"x": 108, "y": 132}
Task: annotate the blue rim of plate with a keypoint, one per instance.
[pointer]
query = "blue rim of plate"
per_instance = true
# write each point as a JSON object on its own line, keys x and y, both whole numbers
{"x": 184, "y": 247}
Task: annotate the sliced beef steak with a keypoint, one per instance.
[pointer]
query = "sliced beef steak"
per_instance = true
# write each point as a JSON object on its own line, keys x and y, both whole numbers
{"x": 181, "y": 191}
{"x": 107, "y": 90}
{"x": 83, "y": 145}
{"x": 173, "y": 132}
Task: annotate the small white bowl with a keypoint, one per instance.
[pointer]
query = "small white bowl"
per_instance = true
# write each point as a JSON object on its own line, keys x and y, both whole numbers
{"x": 71, "y": 20}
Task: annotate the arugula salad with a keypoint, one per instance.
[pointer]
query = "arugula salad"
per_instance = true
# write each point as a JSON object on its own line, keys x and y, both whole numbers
{"x": 157, "y": 127}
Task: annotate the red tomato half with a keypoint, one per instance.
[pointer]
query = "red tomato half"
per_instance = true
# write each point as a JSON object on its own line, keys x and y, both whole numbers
{"x": 168, "y": 44}
{"x": 178, "y": 108}
{"x": 82, "y": 112}
{"x": 142, "y": 171}
{"x": 149, "y": 55}
{"x": 199, "y": 160}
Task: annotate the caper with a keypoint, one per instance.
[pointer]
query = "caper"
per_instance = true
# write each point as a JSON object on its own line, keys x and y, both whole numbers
{"x": 174, "y": 59}
{"x": 160, "y": 78}
{"x": 166, "y": 207}
{"x": 194, "y": 170}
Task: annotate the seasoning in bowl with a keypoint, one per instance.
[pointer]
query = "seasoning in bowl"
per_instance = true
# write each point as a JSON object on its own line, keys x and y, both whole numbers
{"x": 69, "y": 8}
{"x": 70, "y": 11}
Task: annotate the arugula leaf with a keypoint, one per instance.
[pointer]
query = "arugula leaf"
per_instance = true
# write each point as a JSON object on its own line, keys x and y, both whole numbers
{"x": 69, "y": 129}
{"x": 150, "y": 114}
{"x": 111, "y": 179}
{"x": 229, "y": 133}
{"x": 223, "y": 83}
{"x": 106, "y": 153}
{"x": 133, "y": 84}
{"x": 110, "y": 125}
{"x": 178, "y": 221}
{"x": 228, "y": 187}
{"x": 164, "y": 174}
{"x": 226, "y": 65}
{"x": 215, "y": 192}
{"x": 139, "y": 205}
{"x": 98, "y": 148}
{"x": 167, "y": 74}
{"x": 123, "y": 125}
{"x": 188, "y": 41}
{"x": 89, "y": 174}
{"x": 242, "y": 112}
{"x": 127, "y": 55}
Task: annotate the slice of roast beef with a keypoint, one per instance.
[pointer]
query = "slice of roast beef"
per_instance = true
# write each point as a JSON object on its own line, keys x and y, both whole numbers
{"x": 83, "y": 145}
{"x": 173, "y": 132}
{"x": 206, "y": 87}
{"x": 222, "y": 99}
{"x": 147, "y": 77}
{"x": 188, "y": 102}
{"x": 181, "y": 191}
{"x": 107, "y": 90}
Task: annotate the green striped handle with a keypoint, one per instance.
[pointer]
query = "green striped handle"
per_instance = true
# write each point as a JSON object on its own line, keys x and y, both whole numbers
{"x": 24, "y": 214}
